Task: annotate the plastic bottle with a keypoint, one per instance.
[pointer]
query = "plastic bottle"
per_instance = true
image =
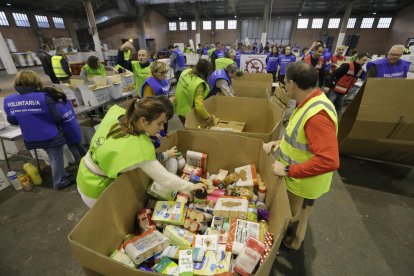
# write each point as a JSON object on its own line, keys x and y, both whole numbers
{"x": 33, "y": 173}
{"x": 172, "y": 165}
{"x": 12, "y": 176}
{"x": 181, "y": 160}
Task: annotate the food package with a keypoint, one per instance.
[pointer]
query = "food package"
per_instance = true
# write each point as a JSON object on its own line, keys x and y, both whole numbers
{"x": 222, "y": 235}
{"x": 145, "y": 245}
{"x": 169, "y": 212}
{"x": 185, "y": 262}
{"x": 248, "y": 175}
{"x": 144, "y": 220}
{"x": 179, "y": 236}
{"x": 220, "y": 223}
{"x": 192, "y": 170}
{"x": 249, "y": 257}
{"x": 172, "y": 252}
{"x": 197, "y": 159}
{"x": 240, "y": 230}
{"x": 166, "y": 266}
{"x": 209, "y": 242}
{"x": 122, "y": 258}
{"x": 231, "y": 207}
{"x": 161, "y": 192}
{"x": 214, "y": 262}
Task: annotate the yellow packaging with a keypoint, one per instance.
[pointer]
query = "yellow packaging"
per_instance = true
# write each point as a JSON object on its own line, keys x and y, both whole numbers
{"x": 169, "y": 212}
{"x": 214, "y": 262}
{"x": 179, "y": 236}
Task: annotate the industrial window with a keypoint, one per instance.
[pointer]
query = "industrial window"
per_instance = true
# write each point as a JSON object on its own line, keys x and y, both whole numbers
{"x": 58, "y": 21}
{"x": 183, "y": 26}
{"x": 21, "y": 19}
{"x": 334, "y": 23}
{"x": 232, "y": 24}
{"x": 220, "y": 25}
{"x": 351, "y": 23}
{"x": 206, "y": 25}
{"x": 303, "y": 23}
{"x": 367, "y": 22}
{"x": 3, "y": 19}
{"x": 384, "y": 22}
{"x": 172, "y": 26}
{"x": 42, "y": 21}
{"x": 193, "y": 25}
{"x": 317, "y": 23}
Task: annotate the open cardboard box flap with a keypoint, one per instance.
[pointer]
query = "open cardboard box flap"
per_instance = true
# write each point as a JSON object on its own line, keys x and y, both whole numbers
{"x": 262, "y": 117}
{"x": 257, "y": 77}
{"x": 252, "y": 88}
{"x": 379, "y": 122}
{"x": 103, "y": 227}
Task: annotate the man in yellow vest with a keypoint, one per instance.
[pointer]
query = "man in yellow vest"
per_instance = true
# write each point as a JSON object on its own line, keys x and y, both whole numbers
{"x": 61, "y": 66}
{"x": 228, "y": 59}
{"x": 125, "y": 56}
{"x": 141, "y": 69}
{"x": 93, "y": 68}
{"x": 308, "y": 152}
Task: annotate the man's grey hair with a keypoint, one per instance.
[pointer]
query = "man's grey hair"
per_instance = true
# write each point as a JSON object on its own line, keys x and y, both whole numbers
{"x": 231, "y": 68}
{"x": 230, "y": 53}
{"x": 397, "y": 47}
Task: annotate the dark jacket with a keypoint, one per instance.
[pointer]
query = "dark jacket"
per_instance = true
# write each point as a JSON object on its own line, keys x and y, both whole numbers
{"x": 46, "y": 60}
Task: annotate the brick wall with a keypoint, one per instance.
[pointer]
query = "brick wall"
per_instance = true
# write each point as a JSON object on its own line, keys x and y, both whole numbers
{"x": 25, "y": 38}
{"x": 402, "y": 27}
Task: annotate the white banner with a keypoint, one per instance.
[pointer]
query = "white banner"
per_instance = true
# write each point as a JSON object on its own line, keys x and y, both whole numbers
{"x": 192, "y": 45}
{"x": 198, "y": 39}
{"x": 253, "y": 63}
{"x": 263, "y": 40}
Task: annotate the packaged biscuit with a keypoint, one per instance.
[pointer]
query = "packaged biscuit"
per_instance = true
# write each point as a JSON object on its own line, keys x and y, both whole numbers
{"x": 185, "y": 262}
{"x": 209, "y": 242}
{"x": 161, "y": 192}
{"x": 179, "y": 236}
{"x": 197, "y": 159}
{"x": 169, "y": 212}
{"x": 214, "y": 262}
{"x": 249, "y": 257}
{"x": 146, "y": 245}
{"x": 166, "y": 266}
{"x": 240, "y": 230}
{"x": 231, "y": 207}
{"x": 122, "y": 258}
{"x": 248, "y": 176}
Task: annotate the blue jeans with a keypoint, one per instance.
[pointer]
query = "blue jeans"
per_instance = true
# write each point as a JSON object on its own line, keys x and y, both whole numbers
{"x": 78, "y": 151}
{"x": 337, "y": 99}
{"x": 59, "y": 175}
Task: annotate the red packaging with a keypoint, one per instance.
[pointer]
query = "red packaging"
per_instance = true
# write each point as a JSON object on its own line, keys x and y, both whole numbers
{"x": 249, "y": 257}
{"x": 191, "y": 170}
{"x": 144, "y": 220}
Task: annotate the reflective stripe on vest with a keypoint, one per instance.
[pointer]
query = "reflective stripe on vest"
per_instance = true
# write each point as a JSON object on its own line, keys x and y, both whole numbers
{"x": 294, "y": 148}
{"x": 57, "y": 67}
{"x": 318, "y": 65}
{"x": 348, "y": 80}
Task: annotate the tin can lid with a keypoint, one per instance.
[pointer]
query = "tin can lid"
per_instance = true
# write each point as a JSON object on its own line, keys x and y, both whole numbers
{"x": 262, "y": 189}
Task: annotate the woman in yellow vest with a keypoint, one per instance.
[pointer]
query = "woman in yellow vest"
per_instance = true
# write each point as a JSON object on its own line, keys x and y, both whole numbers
{"x": 308, "y": 152}
{"x": 122, "y": 143}
{"x": 191, "y": 91}
{"x": 125, "y": 56}
{"x": 141, "y": 69}
{"x": 229, "y": 58}
{"x": 93, "y": 68}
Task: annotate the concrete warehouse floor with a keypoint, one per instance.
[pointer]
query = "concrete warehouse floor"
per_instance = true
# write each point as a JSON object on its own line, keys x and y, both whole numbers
{"x": 363, "y": 226}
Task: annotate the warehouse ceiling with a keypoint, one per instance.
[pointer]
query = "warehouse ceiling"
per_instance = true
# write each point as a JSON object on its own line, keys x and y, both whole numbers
{"x": 185, "y": 9}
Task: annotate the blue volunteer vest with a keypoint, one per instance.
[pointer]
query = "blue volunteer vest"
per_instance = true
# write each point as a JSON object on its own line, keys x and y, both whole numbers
{"x": 218, "y": 74}
{"x": 272, "y": 62}
{"x": 160, "y": 87}
{"x": 205, "y": 51}
{"x": 70, "y": 125}
{"x": 237, "y": 59}
{"x": 32, "y": 114}
{"x": 180, "y": 60}
{"x": 219, "y": 54}
{"x": 284, "y": 61}
{"x": 385, "y": 70}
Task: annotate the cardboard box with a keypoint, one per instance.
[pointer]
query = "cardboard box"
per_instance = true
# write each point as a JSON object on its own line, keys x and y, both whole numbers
{"x": 275, "y": 100}
{"x": 252, "y": 89}
{"x": 257, "y": 77}
{"x": 103, "y": 228}
{"x": 94, "y": 95}
{"x": 263, "y": 118}
{"x": 379, "y": 122}
{"x": 88, "y": 129}
{"x": 281, "y": 94}
{"x": 233, "y": 126}
{"x": 71, "y": 92}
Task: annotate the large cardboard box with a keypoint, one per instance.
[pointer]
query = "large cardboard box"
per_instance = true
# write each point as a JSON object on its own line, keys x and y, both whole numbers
{"x": 72, "y": 93}
{"x": 262, "y": 117}
{"x": 379, "y": 122}
{"x": 103, "y": 228}
{"x": 252, "y": 89}
{"x": 257, "y": 77}
{"x": 94, "y": 95}
{"x": 281, "y": 94}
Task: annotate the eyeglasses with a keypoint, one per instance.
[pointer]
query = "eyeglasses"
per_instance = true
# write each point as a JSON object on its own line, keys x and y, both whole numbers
{"x": 162, "y": 72}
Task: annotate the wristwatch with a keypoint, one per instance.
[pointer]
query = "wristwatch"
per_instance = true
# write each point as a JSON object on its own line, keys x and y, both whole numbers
{"x": 287, "y": 169}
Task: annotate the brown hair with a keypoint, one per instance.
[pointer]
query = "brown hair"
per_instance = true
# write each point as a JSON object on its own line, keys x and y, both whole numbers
{"x": 93, "y": 62}
{"x": 150, "y": 108}
{"x": 202, "y": 69}
{"x": 27, "y": 78}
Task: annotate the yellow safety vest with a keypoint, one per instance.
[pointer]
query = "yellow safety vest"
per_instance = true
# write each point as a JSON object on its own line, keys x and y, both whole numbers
{"x": 294, "y": 148}
{"x": 127, "y": 55}
{"x": 221, "y": 63}
{"x": 57, "y": 67}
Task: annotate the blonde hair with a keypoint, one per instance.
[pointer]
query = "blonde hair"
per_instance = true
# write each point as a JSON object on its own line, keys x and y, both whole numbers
{"x": 27, "y": 78}
{"x": 158, "y": 66}
{"x": 341, "y": 47}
